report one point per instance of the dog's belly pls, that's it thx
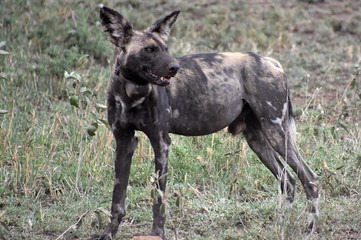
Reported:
(201, 123)
(199, 110)
(207, 93)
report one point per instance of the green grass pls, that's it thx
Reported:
(55, 176)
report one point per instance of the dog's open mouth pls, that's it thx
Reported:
(157, 79)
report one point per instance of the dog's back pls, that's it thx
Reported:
(210, 90)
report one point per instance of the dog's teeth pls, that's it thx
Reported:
(161, 78)
(150, 72)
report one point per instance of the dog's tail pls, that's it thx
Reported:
(292, 125)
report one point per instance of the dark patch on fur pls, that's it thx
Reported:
(159, 43)
(211, 59)
(228, 71)
(257, 68)
(244, 74)
(290, 109)
(256, 57)
(190, 63)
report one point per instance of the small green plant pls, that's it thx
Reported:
(85, 102)
(89, 111)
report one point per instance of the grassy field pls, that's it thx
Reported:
(56, 178)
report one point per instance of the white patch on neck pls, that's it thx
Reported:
(119, 104)
(118, 100)
(137, 102)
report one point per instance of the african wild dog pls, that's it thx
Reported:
(194, 95)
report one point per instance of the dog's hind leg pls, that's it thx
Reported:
(294, 159)
(259, 143)
(280, 133)
(125, 146)
(160, 142)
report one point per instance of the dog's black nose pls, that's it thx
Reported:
(173, 68)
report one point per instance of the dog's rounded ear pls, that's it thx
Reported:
(163, 26)
(117, 28)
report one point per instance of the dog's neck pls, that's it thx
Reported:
(135, 91)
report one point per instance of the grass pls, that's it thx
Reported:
(57, 179)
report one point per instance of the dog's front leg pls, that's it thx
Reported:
(125, 146)
(160, 142)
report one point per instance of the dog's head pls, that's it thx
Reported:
(144, 56)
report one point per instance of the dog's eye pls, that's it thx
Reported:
(150, 49)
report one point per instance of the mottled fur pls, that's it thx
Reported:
(194, 95)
